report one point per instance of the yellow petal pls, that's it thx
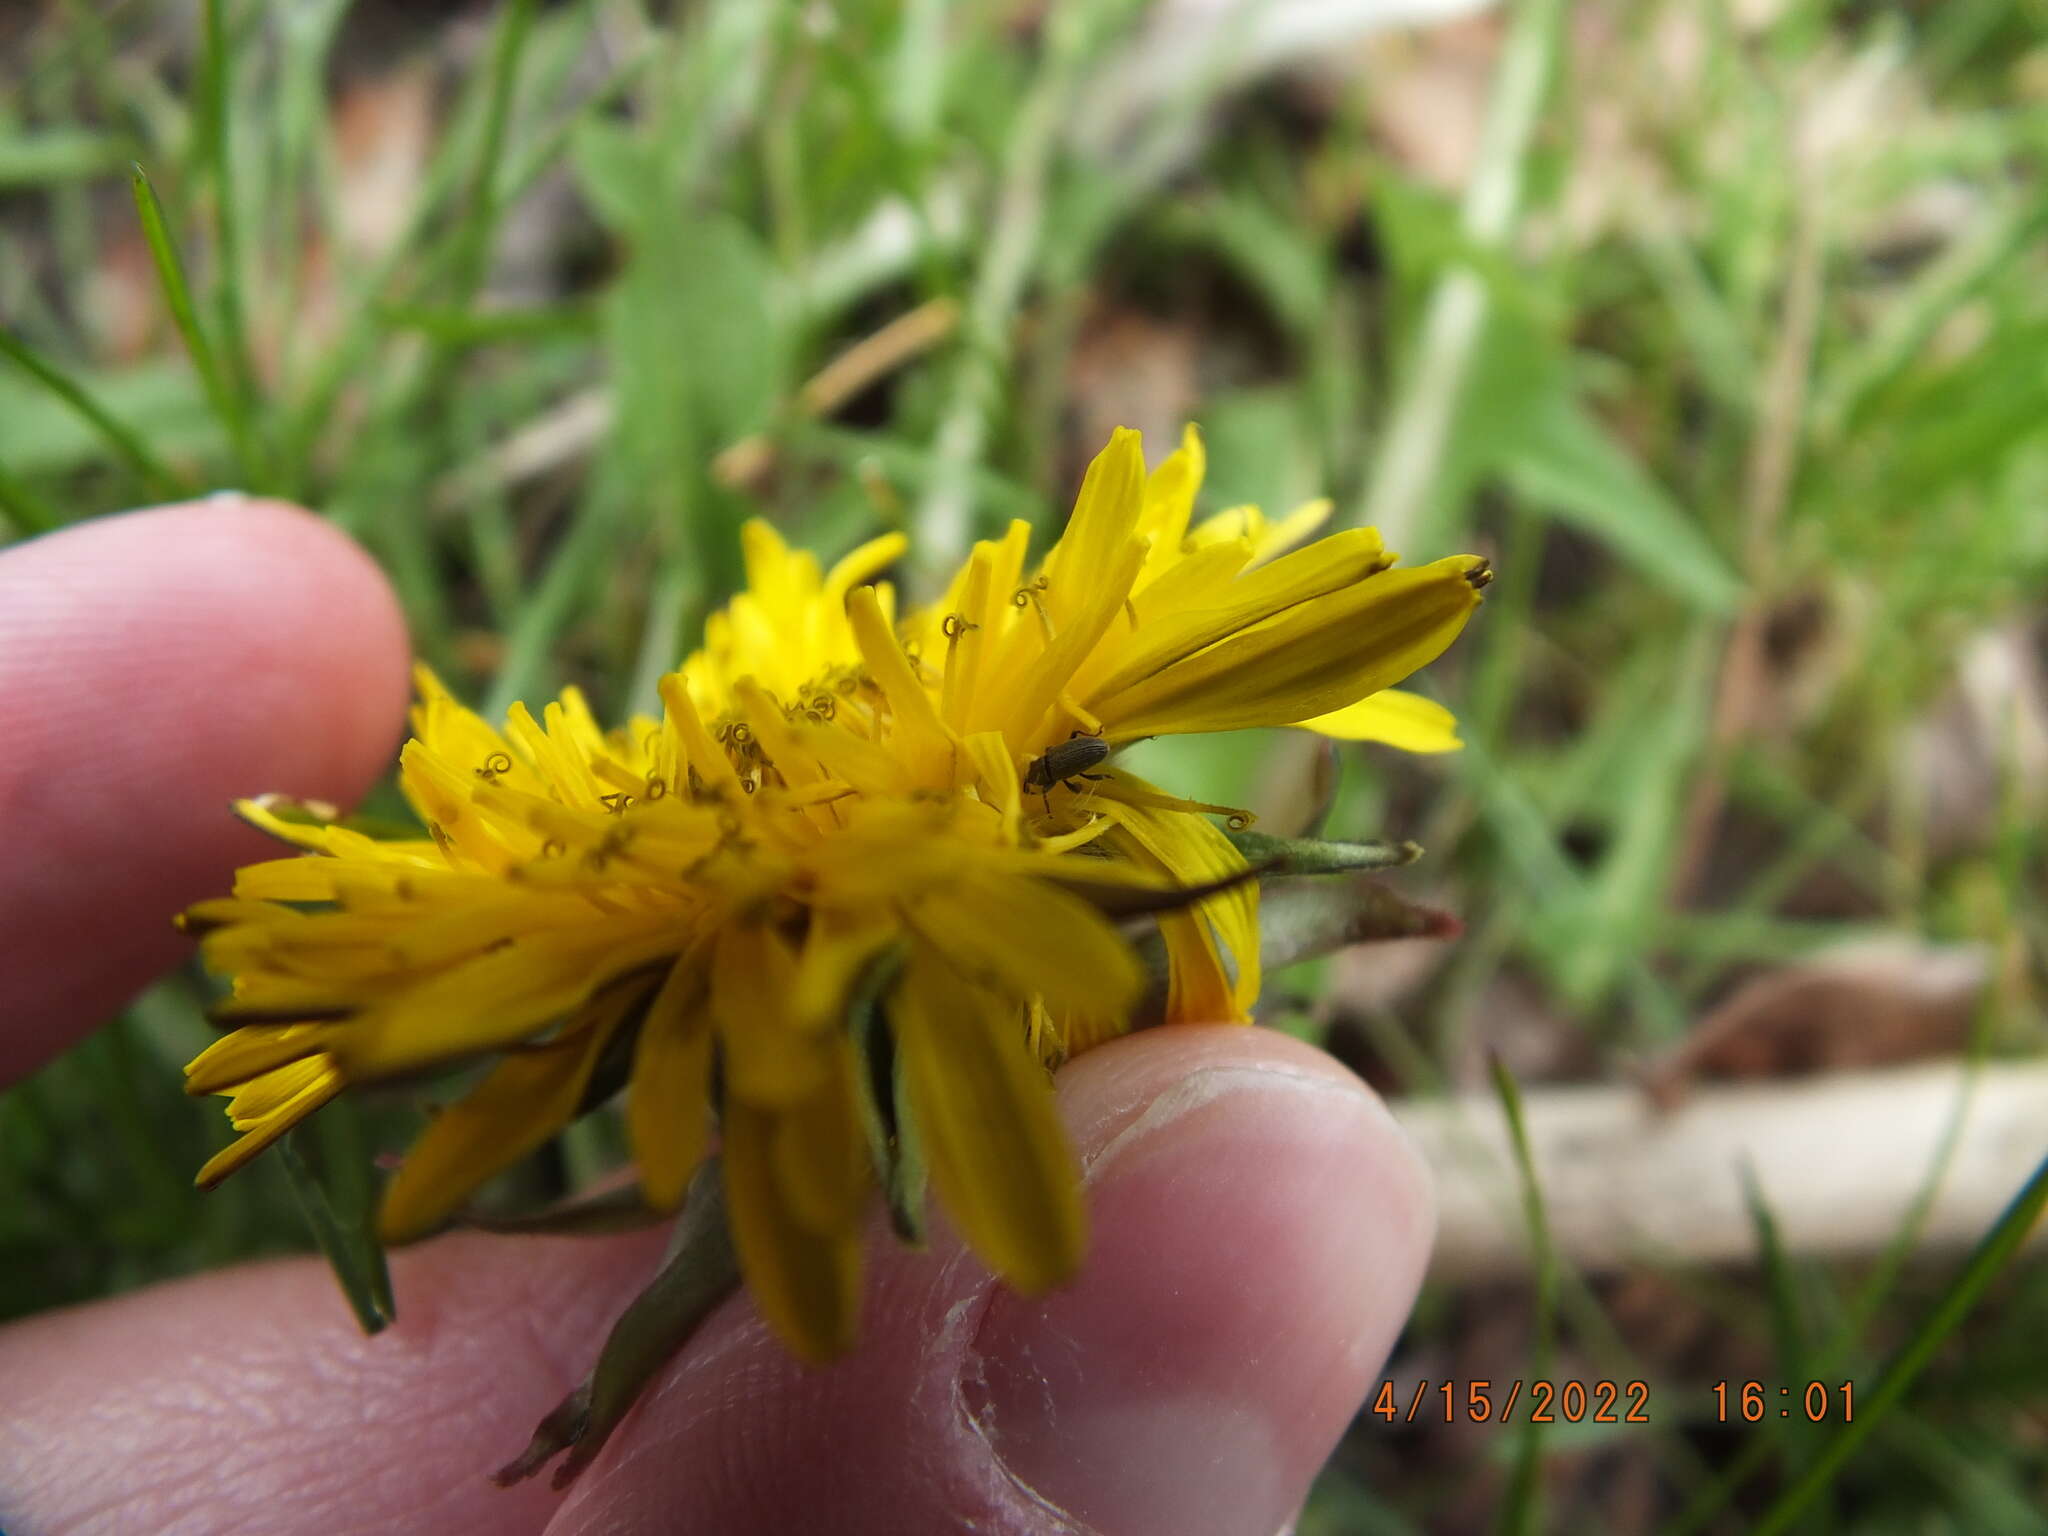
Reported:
(1105, 516)
(820, 1154)
(497, 1000)
(668, 1101)
(924, 739)
(1277, 538)
(997, 780)
(868, 766)
(523, 1102)
(775, 572)
(442, 798)
(838, 946)
(248, 1053)
(859, 565)
(311, 836)
(999, 1156)
(1037, 939)
(1213, 948)
(1309, 660)
(963, 628)
(1170, 492)
(705, 761)
(1244, 522)
(449, 730)
(1404, 720)
(1196, 580)
(1100, 604)
(553, 749)
(1342, 561)
(777, 740)
(769, 1061)
(266, 1107)
(806, 1285)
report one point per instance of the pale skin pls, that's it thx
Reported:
(1259, 1223)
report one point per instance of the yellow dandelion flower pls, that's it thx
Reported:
(838, 810)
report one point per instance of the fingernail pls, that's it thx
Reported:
(1257, 1237)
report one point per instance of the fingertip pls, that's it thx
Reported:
(154, 666)
(1261, 1228)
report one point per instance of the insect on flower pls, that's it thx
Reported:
(1066, 762)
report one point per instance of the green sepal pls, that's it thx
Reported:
(329, 1171)
(698, 1272)
(1315, 856)
(895, 1148)
(624, 1209)
(1303, 916)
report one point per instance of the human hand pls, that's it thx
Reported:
(1259, 1222)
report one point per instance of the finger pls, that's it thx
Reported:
(153, 667)
(1259, 1228)
(249, 1401)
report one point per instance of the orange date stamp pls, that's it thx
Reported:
(1479, 1401)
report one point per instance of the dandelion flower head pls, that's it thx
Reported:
(854, 836)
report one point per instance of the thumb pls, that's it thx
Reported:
(1259, 1226)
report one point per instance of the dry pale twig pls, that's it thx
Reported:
(1840, 1160)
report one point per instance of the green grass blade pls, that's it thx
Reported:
(237, 376)
(473, 242)
(1521, 1503)
(375, 295)
(154, 473)
(56, 156)
(170, 271)
(1985, 1264)
(460, 328)
(24, 508)
(1788, 1328)
(1962, 272)
(945, 518)
(1421, 425)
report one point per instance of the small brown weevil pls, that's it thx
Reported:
(1070, 760)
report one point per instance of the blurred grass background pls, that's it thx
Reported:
(1723, 328)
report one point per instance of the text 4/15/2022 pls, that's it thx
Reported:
(1542, 1402)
